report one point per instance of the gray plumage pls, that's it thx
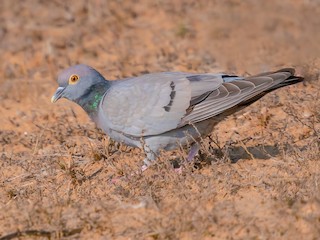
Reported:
(168, 109)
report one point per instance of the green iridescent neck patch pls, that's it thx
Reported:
(95, 103)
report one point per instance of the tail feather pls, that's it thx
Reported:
(289, 81)
(292, 79)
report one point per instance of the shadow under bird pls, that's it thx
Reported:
(164, 110)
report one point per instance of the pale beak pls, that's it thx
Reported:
(57, 95)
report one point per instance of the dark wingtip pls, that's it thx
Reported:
(289, 81)
(292, 72)
(292, 79)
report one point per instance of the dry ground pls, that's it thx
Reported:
(259, 174)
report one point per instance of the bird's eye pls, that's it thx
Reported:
(73, 79)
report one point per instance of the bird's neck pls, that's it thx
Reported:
(91, 99)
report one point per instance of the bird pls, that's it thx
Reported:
(164, 110)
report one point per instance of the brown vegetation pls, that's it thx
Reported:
(259, 172)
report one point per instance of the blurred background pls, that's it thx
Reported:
(54, 161)
(121, 38)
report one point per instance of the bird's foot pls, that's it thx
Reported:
(178, 170)
(194, 150)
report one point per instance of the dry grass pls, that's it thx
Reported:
(258, 174)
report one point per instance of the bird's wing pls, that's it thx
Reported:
(154, 103)
(232, 92)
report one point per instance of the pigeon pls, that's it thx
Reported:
(165, 110)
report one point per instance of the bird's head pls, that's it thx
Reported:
(76, 82)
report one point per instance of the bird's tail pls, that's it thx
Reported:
(283, 77)
(292, 79)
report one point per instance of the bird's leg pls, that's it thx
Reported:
(194, 149)
(150, 158)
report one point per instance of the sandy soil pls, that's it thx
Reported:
(259, 174)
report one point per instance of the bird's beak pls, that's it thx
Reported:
(57, 95)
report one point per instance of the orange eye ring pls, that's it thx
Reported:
(74, 78)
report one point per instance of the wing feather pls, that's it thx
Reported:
(237, 91)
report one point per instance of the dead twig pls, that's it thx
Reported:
(41, 233)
